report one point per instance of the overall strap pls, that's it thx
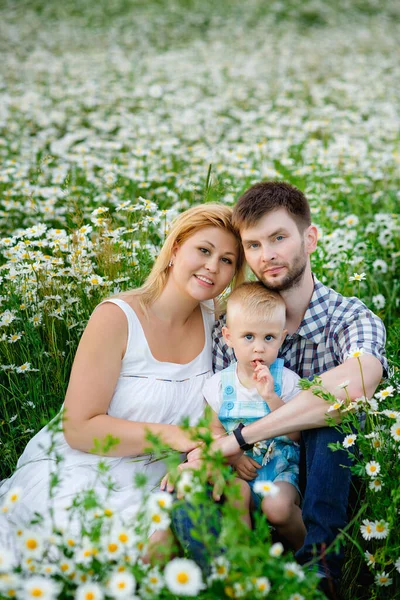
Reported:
(277, 373)
(228, 385)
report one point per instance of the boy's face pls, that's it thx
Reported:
(253, 338)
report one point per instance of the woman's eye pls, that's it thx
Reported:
(226, 260)
(204, 250)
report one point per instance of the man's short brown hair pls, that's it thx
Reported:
(268, 196)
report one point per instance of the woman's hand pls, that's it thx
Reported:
(245, 467)
(167, 485)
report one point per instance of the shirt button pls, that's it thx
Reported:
(229, 390)
(229, 405)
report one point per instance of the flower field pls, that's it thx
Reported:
(114, 117)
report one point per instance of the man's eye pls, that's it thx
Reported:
(280, 238)
(253, 245)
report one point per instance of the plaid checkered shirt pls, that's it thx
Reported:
(333, 326)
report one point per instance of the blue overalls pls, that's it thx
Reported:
(278, 456)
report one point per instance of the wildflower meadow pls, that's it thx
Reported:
(114, 117)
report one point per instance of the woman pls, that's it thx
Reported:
(139, 368)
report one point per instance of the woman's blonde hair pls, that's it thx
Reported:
(182, 228)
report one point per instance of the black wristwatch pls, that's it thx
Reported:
(240, 439)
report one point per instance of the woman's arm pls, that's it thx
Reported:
(94, 376)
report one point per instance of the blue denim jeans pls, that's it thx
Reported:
(324, 504)
(325, 498)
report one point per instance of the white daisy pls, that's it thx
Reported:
(397, 564)
(336, 405)
(89, 591)
(159, 519)
(366, 529)
(358, 277)
(343, 385)
(356, 353)
(121, 585)
(372, 468)
(292, 569)
(31, 544)
(386, 393)
(380, 530)
(296, 596)
(183, 577)
(266, 488)
(276, 549)
(349, 440)
(262, 586)
(376, 485)
(395, 431)
(383, 579)
(219, 568)
(153, 583)
(159, 500)
(40, 587)
(370, 558)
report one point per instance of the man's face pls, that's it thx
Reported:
(276, 251)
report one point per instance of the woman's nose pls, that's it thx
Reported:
(212, 264)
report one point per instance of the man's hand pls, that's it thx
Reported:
(227, 444)
(246, 467)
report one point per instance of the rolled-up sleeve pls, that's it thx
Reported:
(363, 330)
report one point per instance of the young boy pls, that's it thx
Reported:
(249, 389)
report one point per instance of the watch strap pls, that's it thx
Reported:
(237, 432)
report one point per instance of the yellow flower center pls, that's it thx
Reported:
(221, 570)
(161, 503)
(182, 577)
(123, 537)
(122, 585)
(64, 567)
(372, 468)
(156, 518)
(112, 547)
(11, 593)
(380, 527)
(31, 544)
(89, 596)
(153, 580)
(37, 592)
(14, 497)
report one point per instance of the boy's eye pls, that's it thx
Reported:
(248, 336)
(279, 238)
(269, 338)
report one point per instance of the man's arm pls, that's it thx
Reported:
(307, 411)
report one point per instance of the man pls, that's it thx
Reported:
(324, 328)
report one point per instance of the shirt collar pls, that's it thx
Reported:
(315, 318)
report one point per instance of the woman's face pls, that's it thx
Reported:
(205, 263)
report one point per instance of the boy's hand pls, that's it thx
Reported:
(246, 467)
(264, 381)
(166, 484)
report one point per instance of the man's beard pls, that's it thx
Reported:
(292, 278)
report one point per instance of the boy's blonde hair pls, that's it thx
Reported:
(254, 298)
(184, 226)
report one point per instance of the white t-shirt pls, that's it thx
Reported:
(213, 394)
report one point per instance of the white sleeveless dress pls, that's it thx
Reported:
(147, 390)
